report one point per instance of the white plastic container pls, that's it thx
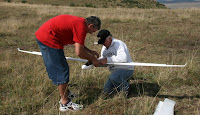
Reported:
(165, 108)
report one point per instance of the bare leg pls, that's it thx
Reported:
(63, 89)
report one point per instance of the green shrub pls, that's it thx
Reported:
(89, 5)
(23, 1)
(72, 4)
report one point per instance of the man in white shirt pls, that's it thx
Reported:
(115, 51)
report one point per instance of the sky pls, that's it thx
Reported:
(180, 4)
(177, 1)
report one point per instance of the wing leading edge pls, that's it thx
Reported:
(133, 63)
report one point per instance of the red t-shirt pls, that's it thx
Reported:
(62, 30)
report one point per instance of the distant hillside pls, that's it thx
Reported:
(177, 1)
(146, 4)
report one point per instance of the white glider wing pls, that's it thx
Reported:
(30, 52)
(133, 63)
(146, 64)
(39, 53)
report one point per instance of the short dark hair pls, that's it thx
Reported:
(94, 20)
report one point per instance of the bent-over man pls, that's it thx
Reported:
(52, 36)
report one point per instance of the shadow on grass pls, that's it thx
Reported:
(138, 89)
(179, 97)
(152, 89)
(92, 94)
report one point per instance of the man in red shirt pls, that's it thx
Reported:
(52, 36)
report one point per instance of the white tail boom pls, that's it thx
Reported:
(91, 66)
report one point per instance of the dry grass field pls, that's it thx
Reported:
(170, 36)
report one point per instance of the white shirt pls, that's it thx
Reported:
(117, 53)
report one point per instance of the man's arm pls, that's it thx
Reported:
(120, 57)
(102, 59)
(92, 52)
(82, 52)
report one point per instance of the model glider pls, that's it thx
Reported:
(89, 66)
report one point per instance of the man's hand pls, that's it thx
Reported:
(85, 53)
(96, 63)
(103, 61)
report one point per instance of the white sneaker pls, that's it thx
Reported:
(70, 107)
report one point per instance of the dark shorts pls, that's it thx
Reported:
(55, 63)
